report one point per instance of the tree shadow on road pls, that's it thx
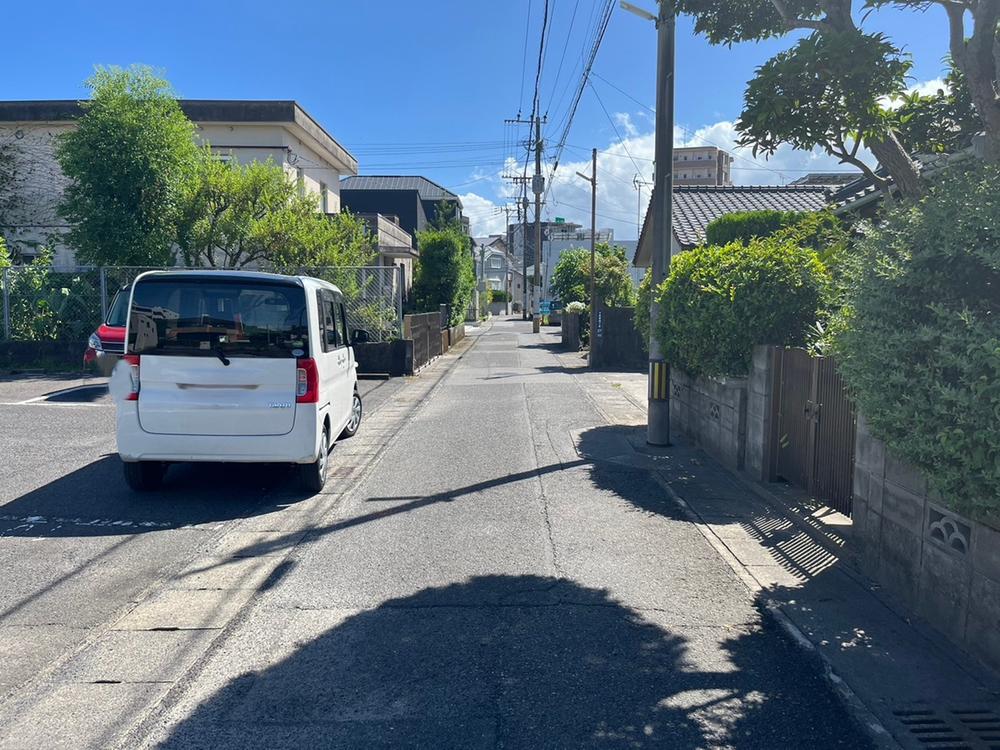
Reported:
(505, 661)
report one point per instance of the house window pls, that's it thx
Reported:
(324, 198)
(496, 261)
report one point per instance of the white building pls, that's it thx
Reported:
(242, 130)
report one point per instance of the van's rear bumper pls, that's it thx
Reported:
(301, 445)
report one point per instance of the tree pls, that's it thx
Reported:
(127, 161)
(571, 276)
(976, 56)
(445, 272)
(828, 89)
(942, 122)
(236, 215)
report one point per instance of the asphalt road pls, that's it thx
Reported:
(77, 547)
(475, 576)
(485, 586)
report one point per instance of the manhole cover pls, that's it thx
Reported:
(952, 729)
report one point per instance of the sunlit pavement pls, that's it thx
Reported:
(475, 576)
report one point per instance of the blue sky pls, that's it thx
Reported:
(423, 88)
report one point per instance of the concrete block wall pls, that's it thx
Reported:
(713, 413)
(941, 565)
(761, 413)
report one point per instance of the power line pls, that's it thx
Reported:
(524, 61)
(602, 27)
(621, 141)
(535, 102)
(562, 57)
(622, 91)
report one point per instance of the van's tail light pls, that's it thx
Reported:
(132, 360)
(306, 382)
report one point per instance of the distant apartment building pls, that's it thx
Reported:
(245, 131)
(702, 165)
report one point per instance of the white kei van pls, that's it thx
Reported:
(233, 366)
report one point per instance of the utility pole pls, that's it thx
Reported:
(593, 253)
(639, 184)
(537, 187)
(658, 417)
(526, 308)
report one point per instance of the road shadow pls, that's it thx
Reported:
(86, 394)
(95, 501)
(509, 661)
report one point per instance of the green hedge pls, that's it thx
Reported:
(720, 301)
(744, 226)
(919, 343)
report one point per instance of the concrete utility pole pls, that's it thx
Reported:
(658, 415)
(526, 307)
(593, 252)
(537, 187)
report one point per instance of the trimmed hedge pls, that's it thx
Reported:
(719, 301)
(919, 342)
(744, 226)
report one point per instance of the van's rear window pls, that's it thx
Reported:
(208, 317)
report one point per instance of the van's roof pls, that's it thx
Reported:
(209, 274)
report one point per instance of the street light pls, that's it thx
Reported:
(658, 415)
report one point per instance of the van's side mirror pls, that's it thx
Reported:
(360, 336)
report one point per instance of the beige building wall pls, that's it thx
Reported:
(38, 182)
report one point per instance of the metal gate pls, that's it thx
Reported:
(816, 428)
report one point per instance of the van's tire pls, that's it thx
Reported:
(356, 413)
(312, 476)
(143, 476)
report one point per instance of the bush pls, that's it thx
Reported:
(498, 295)
(444, 274)
(919, 342)
(571, 276)
(576, 307)
(746, 225)
(642, 302)
(718, 302)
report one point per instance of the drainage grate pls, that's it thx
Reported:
(952, 729)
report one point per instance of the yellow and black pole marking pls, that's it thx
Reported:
(659, 380)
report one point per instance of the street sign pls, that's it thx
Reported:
(545, 307)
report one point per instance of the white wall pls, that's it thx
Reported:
(37, 186)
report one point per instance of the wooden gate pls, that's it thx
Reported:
(816, 427)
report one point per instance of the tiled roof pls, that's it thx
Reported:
(696, 206)
(428, 190)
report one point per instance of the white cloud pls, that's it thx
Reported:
(485, 216)
(924, 88)
(618, 200)
(625, 120)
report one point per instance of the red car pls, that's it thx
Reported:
(107, 344)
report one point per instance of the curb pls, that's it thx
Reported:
(865, 719)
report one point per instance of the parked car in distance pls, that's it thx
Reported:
(234, 366)
(107, 344)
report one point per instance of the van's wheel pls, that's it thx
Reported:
(143, 476)
(313, 476)
(356, 411)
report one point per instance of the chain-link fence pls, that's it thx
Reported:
(42, 304)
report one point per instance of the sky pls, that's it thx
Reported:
(425, 87)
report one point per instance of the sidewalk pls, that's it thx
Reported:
(898, 677)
